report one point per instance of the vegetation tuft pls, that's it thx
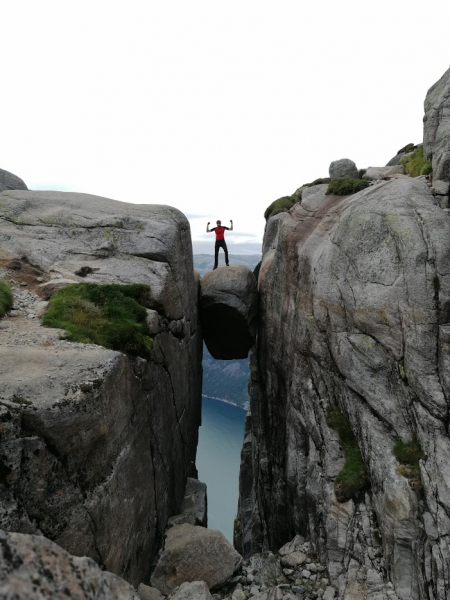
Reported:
(407, 148)
(352, 480)
(237, 537)
(319, 181)
(6, 298)
(346, 186)
(112, 316)
(416, 164)
(408, 455)
(361, 173)
(281, 205)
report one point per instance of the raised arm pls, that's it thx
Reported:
(231, 228)
(207, 227)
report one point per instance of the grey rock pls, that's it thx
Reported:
(396, 159)
(195, 590)
(361, 320)
(9, 181)
(34, 567)
(436, 127)
(441, 188)
(194, 505)
(314, 196)
(293, 560)
(292, 546)
(90, 431)
(329, 593)
(145, 592)
(376, 173)
(238, 595)
(343, 168)
(194, 554)
(228, 309)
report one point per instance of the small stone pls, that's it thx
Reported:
(23, 284)
(145, 592)
(31, 316)
(298, 589)
(288, 571)
(306, 574)
(254, 590)
(250, 578)
(325, 582)
(329, 593)
(238, 595)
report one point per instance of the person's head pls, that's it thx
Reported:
(219, 223)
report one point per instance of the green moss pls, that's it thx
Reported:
(319, 181)
(407, 148)
(408, 455)
(237, 537)
(416, 164)
(352, 480)
(346, 186)
(6, 298)
(281, 205)
(112, 316)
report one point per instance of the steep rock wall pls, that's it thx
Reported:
(354, 313)
(96, 446)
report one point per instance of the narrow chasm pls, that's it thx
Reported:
(224, 407)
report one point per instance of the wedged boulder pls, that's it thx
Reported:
(228, 309)
(96, 445)
(195, 554)
(343, 167)
(33, 567)
(376, 173)
(9, 181)
(436, 127)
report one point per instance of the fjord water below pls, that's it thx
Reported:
(218, 461)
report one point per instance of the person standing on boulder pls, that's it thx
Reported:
(220, 241)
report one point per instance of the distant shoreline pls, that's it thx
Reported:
(224, 400)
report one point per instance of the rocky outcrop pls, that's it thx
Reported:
(194, 506)
(343, 168)
(376, 173)
(33, 567)
(9, 181)
(96, 446)
(436, 129)
(194, 554)
(354, 317)
(228, 307)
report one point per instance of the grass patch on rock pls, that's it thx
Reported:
(416, 164)
(345, 186)
(6, 298)
(408, 455)
(281, 205)
(352, 480)
(110, 315)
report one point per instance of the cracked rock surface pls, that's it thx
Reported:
(96, 446)
(33, 567)
(355, 313)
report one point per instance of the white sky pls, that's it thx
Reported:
(216, 107)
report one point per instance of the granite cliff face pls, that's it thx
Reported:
(354, 313)
(96, 445)
(351, 364)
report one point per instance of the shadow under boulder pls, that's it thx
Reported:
(228, 308)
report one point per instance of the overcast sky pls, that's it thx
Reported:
(216, 107)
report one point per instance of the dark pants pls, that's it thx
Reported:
(220, 244)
